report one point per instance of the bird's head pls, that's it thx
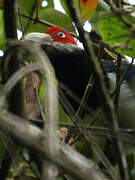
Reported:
(53, 34)
(60, 35)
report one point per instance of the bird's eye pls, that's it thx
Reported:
(61, 34)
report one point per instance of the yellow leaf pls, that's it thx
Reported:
(87, 7)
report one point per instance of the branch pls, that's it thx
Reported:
(16, 77)
(98, 74)
(10, 28)
(16, 105)
(10, 19)
(50, 83)
(31, 136)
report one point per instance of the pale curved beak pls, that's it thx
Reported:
(38, 37)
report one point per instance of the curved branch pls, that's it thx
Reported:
(16, 77)
(67, 159)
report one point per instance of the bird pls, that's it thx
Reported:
(74, 71)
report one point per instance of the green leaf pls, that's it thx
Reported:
(54, 17)
(30, 8)
(101, 8)
(2, 38)
(30, 5)
(115, 32)
(63, 117)
(84, 147)
(50, 4)
(27, 5)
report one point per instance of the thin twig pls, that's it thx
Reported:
(21, 20)
(118, 77)
(123, 77)
(85, 96)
